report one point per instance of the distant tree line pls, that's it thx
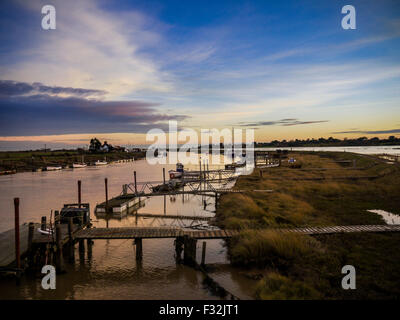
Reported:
(322, 142)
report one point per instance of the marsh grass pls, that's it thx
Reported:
(304, 267)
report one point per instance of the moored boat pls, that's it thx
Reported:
(53, 168)
(79, 165)
(100, 163)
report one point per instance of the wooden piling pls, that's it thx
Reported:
(189, 253)
(31, 231)
(71, 246)
(43, 223)
(56, 217)
(17, 238)
(163, 173)
(59, 254)
(106, 189)
(134, 176)
(203, 254)
(139, 249)
(79, 193)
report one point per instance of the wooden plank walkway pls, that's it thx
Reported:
(172, 216)
(159, 232)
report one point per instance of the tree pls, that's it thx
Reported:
(95, 145)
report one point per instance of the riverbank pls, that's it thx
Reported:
(326, 190)
(24, 161)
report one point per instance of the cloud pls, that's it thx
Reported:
(369, 131)
(14, 88)
(45, 114)
(282, 122)
(91, 48)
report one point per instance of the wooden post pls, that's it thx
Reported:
(178, 248)
(56, 217)
(163, 174)
(139, 249)
(17, 238)
(203, 254)
(43, 224)
(79, 193)
(189, 253)
(31, 231)
(71, 240)
(59, 258)
(106, 189)
(134, 176)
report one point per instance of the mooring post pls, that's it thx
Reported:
(203, 254)
(79, 193)
(59, 257)
(43, 224)
(106, 189)
(189, 252)
(163, 174)
(179, 241)
(17, 239)
(139, 249)
(56, 217)
(134, 175)
(71, 253)
(31, 231)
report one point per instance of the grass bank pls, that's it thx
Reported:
(327, 190)
(31, 160)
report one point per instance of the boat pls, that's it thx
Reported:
(53, 168)
(178, 173)
(6, 172)
(100, 163)
(79, 165)
(82, 164)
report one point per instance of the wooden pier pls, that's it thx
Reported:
(168, 232)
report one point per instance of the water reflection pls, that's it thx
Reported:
(107, 269)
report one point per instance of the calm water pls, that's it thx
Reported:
(112, 271)
(394, 150)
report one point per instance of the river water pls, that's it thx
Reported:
(112, 272)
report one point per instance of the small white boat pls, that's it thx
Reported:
(53, 168)
(79, 165)
(47, 231)
(100, 163)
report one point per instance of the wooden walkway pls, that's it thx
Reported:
(160, 232)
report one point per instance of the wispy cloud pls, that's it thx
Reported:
(369, 131)
(282, 122)
(14, 88)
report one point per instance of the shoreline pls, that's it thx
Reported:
(16, 162)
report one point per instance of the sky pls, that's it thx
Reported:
(117, 69)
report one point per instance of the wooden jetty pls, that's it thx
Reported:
(168, 232)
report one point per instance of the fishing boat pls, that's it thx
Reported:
(101, 163)
(53, 168)
(82, 164)
(79, 165)
(178, 173)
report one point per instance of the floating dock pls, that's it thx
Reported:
(119, 205)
